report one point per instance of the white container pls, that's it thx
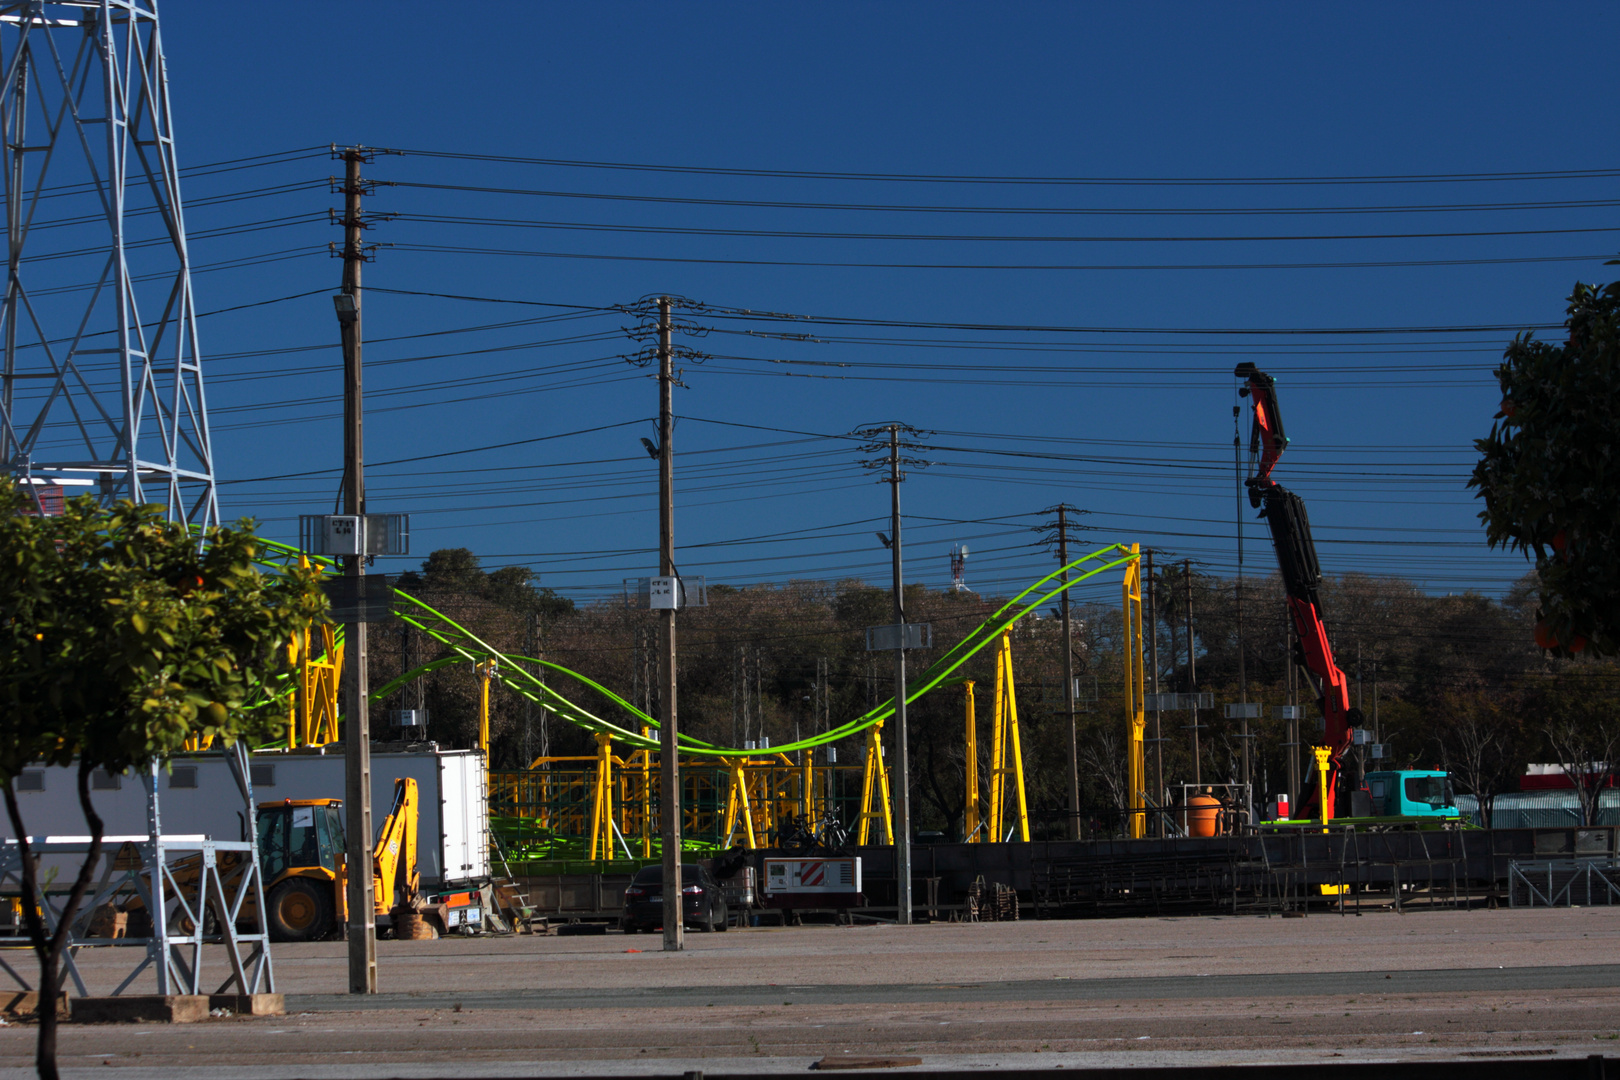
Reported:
(198, 797)
(797, 877)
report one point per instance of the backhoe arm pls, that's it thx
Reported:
(397, 879)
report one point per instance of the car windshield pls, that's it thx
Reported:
(1434, 790)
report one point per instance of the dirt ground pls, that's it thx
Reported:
(1160, 991)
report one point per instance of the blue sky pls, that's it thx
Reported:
(1129, 419)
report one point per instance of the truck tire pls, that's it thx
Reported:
(300, 910)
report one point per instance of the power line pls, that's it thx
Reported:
(808, 234)
(1021, 211)
(970, 178)
(455, 249)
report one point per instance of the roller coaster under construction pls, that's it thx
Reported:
(742, 795)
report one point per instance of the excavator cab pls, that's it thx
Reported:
(299, 835)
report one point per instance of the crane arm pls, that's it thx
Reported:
(1290, 527)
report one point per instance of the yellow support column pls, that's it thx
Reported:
(737, 803)
(1324, 754)
(320, 681)
(998, 750)
(486, 671)
(601, 838)
(972, 807)
(1135, 701)
(875, 787)
(807, 803)
(1015, 748)
(1005, 744)
(646, 796)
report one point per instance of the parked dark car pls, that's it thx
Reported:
(702, 903)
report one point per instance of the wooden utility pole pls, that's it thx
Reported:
(1153, 659)
(902, 787)
(669, 771)
(362, 921)
(1243, 675)
(1192, 675)
(1293, 742)
(1068, 679)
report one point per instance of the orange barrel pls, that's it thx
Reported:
(1203, 810)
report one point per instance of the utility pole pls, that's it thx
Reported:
(1192, 675)
(1243, 675)
(1060, 532)
(1293, 743)
(902, 814)
(669, 773)
(362, 921)
(1153, 659)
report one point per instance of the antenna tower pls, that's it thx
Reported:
(959, 555)
(102, 379)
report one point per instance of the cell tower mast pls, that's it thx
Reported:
(102, 377)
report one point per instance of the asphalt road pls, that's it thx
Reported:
(1124, 988)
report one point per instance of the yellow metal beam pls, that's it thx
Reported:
(601, 838)
(973, 806)
(486, 671)
(1006, 752)
(875, 788)
(1324, 754)
(1135, 700)
(737, 804)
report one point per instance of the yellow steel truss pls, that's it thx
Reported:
(875, 788)
(601, 838)
(1006, 753)
(737, 803)
(1135, 702)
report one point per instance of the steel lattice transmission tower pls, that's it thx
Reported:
(102, 377)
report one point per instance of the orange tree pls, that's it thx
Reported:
(121, 636)
(1548, 468)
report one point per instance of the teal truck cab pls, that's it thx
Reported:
(1411, 793)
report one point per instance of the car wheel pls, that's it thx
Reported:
(629, 927)
(725, 919)
(300, 910)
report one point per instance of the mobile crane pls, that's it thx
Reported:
(1284, 514)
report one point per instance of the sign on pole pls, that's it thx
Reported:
(899, 636)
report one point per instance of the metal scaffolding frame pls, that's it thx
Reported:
(102, 378)
(194, 892)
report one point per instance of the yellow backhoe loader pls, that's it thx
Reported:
(301, 857)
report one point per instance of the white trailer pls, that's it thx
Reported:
(199, 798)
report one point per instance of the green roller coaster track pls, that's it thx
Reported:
(467, 648)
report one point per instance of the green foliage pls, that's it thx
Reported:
(123, 636)
(458, 572)
(1548, 469)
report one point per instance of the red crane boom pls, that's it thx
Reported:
(1284, 514)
